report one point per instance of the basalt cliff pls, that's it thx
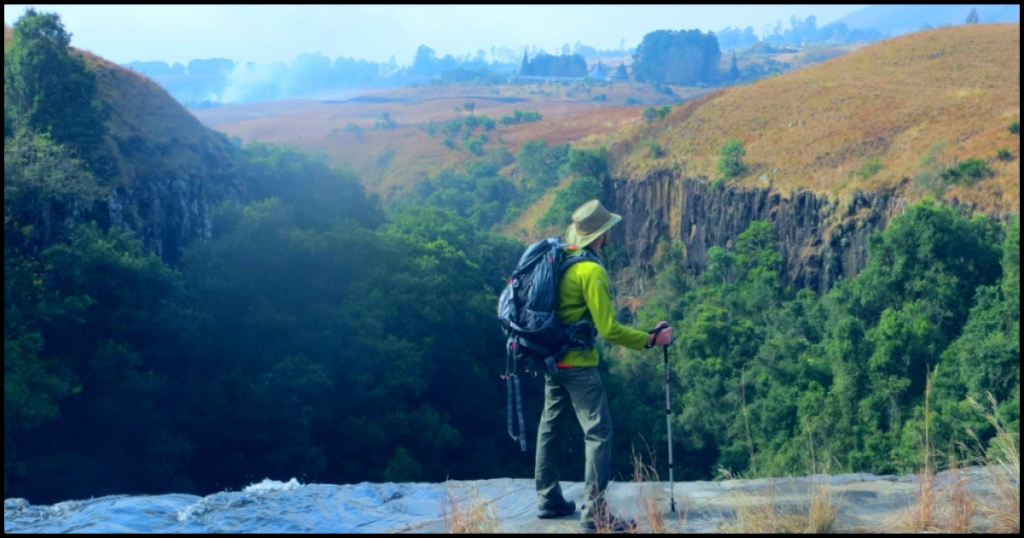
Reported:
(822, 239)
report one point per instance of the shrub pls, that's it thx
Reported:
(385, 122)
(519, 117)
(476, 145)
(1015, 127)
(651, 113)
(430, 128)
(868, 169)
(967, 172)
(657, 151)
(1004, 154)
(730, 163)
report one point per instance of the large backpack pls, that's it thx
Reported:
(526, 310)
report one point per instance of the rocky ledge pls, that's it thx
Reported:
(857, 502)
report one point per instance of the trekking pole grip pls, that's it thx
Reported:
(655, 332)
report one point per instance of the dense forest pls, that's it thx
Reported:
(318, 335)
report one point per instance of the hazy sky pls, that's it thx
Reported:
(265, 34)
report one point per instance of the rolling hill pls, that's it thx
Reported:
(890, 115)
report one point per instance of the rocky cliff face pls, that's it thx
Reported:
(169, 208)
(167, 172)
(823, 240)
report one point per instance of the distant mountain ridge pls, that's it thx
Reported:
(900, 19)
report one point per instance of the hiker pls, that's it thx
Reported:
(585, 293)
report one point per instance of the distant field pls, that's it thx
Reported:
(391, 161)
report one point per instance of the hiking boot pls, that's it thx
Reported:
(613, 525)
(555, 510)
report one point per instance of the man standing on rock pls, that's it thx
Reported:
(585, 293)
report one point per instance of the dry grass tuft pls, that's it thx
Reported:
(923, 515)
(471, 516)
(960, 506)
(766, 513)
(646, 479)
(952, 508)
(1002, 508)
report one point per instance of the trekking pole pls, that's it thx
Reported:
(668, 421)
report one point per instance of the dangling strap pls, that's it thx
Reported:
(511, 425)
(522, 423)
(512, 384)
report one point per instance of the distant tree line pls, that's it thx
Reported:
(426, 62)
(546, 65)
(221, 80)
(802, 32)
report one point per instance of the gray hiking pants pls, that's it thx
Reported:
(578, 390)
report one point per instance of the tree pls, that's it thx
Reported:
(546, 65)
(539, 165)
(621, 72)
(470, 106)
(579, 191)
(524, 69)
(46, 190)
(47, 88)
(423, 62)
(734, 70)
(683, 58)
(586, 163)
(972, 17)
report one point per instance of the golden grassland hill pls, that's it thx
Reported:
(913, 104)
(144, 114)
(167, 171)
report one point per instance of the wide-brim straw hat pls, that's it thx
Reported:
(589, 222)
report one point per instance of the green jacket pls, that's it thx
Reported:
(585, 293)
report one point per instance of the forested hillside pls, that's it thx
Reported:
(300, 329)
(305, 335)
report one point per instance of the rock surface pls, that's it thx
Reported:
(866, 503)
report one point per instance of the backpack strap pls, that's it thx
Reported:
(584, 256)
(582, 334)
